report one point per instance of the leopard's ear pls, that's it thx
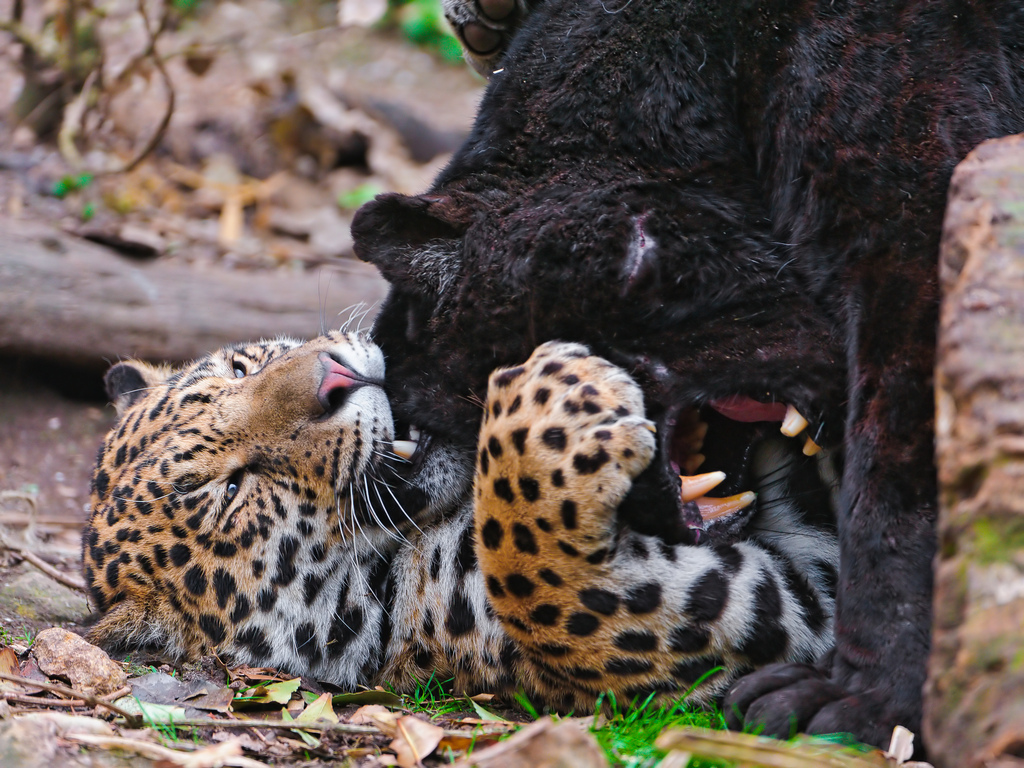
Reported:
(129, 380)
(392, 229)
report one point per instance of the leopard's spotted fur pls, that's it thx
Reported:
(248, 503)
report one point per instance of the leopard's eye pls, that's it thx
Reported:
(238, 368)
(233, 484)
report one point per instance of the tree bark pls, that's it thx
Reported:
(975, 694)
(69, 300)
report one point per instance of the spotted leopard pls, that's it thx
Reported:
(257, 503)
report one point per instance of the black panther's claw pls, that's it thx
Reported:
(784, 699)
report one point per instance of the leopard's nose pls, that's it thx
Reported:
(336, 383)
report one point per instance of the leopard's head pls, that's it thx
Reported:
(234, 476)
(588, 206)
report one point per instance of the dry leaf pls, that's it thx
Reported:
(375, 714)
(543, 744)
(415, 739)
(320, 709)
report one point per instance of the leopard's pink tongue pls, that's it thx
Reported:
(741, 408)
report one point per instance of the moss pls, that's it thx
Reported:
(997, 540)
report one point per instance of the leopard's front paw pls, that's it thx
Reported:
(485, 28)
(563, 437)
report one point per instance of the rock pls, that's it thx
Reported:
(974, 711)
(34, 741)
(60, 653)
(35, 597)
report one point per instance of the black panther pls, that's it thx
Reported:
(740, 204)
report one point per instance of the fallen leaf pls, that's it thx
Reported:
(414, 740)
(161, 713)
(319, 710)
(375, 714)
(9, 666)
(485, 714)
(270, 693)
(385, 698)
(543, 744)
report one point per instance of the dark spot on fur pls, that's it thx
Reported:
(636, 641)
(644, 598)
(546, 614)
(505, 378)
(530, 489)
(519, 585)
(492, 533)
(627, 666)
(569, 514)
(588, 465)
(582, 624)
(550, 577)
(503, 490)
(708, 597)
(599, 600)
(494, 446)
(180, 554)
(494, 586)
(523, 539)
(461, 619)
(688, 639)
(213, 628)
(195, 581)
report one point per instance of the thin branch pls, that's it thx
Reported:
(159, 64)
(93, 701)
(53, 573)
(21, 698)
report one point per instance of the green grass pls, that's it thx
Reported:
(9, 636)
(627, 735)
(433, 697)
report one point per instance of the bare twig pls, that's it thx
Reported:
(748, 749)
(89, 699)
(21, 698)
(168, 84)
(53, 573)
(227, 753)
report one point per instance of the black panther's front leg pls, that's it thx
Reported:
(873, 679)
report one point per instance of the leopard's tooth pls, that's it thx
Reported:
(712, 509)
(692, 463)
(695, 486)
(650, 426)
(414, 434)
(404, 448)
(811, 448)
(793, 423)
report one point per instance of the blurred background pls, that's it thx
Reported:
(179, 174)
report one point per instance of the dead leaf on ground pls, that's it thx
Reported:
(543, 744)
(377, 715)
(414, 740)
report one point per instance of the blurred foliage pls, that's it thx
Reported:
(422, 22)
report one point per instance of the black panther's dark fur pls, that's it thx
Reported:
(725, 198)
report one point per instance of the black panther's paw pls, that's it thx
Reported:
(485, 28)
(782, 700)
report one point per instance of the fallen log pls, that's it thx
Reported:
(66, 299)
(974, 703)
